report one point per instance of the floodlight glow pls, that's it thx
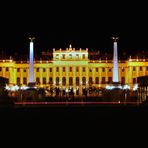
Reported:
(108, 87)
(126, 87)
(7, 87)
(120, 86)
(24, 87)
(135, 87)
(14, 88)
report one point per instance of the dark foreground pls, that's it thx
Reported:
(73, 124)
(75, 112)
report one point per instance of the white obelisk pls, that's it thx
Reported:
(31, 61)
(115, 61)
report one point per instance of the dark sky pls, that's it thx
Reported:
(80, 24)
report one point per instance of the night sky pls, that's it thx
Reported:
(80, 24)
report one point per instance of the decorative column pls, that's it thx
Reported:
(115, 61)
(31, 62)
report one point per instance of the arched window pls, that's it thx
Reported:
(83, 80)
(63, 81)
(70, 81)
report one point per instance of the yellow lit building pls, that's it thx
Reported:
(72, 68)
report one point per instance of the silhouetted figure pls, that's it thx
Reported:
(77, 92)
(64, 93)
(57, 91)
(85, 92)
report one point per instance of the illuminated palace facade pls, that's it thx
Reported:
(72, 68)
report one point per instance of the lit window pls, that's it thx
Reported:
(97, 80)
(97, 69)
(24, 80)
(77, 81)
(83, 56)
(109, 79)
(7, 69)
(83, 69)
(90, 69)
(37, 70)
(57, 69)
(103, 69)
(109, 69)
(37, 80)
(77, 69)
(134, 68)
(64, 81)
(122, 69)
(70, 81)
(134, 80)
(18, 69)
(63, 69)
(103, 80)
(83, 80)
(70, 69)
(18, 80)
(57, 56)
(50, 69)
(44, 80)
(70, 56)
(90, 80)
(77, 56)
(123, 80)
(57, 80)
(44, 70)
(63, 56)
(50, 80)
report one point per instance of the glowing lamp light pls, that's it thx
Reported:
(120, 87)
(108, 87)
(130, 60)
(126, 87)
(14, 88)
(7, 87)
(24, 87)
(74, 90)
(135, 87)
